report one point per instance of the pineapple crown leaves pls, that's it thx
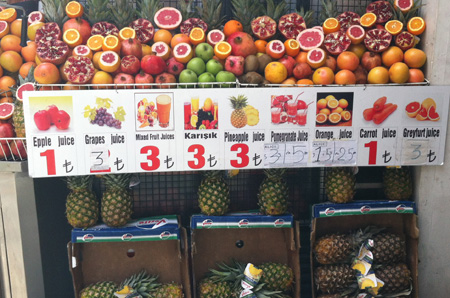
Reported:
(246, 11)
(55, 11)
(211, 13)
(275, 173)
(187, 9)
(307, 15)
(238, 102)
(275, 11)
(142, 282)
(404, 18)
(117, 180)
(328, 10)
(98, 11)
(79, 182)
(122, 13)
(147, 8)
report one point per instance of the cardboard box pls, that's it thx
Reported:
(246, 237)
(399, 217)
(156, 244)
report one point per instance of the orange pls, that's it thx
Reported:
(197, 36)
(325, 111)
(29, 52)
(280, 47)
(10, 43)
(394, 27)
(231, 27)
(334, 117)
(72, 37)
(95, 42)
(46, 73)
(332, 103)
(378, 75)
(179, 38)
(183, 52)
(5, 29)
(347, 60)
(292, 47)
(392, 55)
(322, 103)
(25, 68)
(343, 103)
(74, 9)
(312, 58)
(368, 19)
(302, 57)
(110, 66)
(416, 25)
(399, 73)
(6, 99)
(358, 49)
(289, 81)
(346, 115)
(275, 72)
(345, 77)
(414, 58)
(261, 46)
(163, 35)
(101, 77)
(323, 76)
(37, 60)
(164, 55)
(8, 15)
(96, 58)
(32, 30)
(16, 27)
(11, 61)
(305, 82)
(111, 43)
(146, 50)
(331, 25)
(127, 33)
(416, 76)
(338, 109)
(5, 83)
(83, 51)
(1, 71)
(222, 50)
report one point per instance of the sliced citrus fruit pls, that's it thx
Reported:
(394, 27)
(4, 28)
(6, 110)
(368, 19)
(8, 15)
(292, 47)
(74, 9)
(82, 50)
(416, 25)
(72, 37)
(334, 118)
(32, 28)
(222, 50)
(161, 49)
(325, 111)
(194, 120)
(321, 118)
(346, 115)
(127, 33)
(332, 103)
(95, 42)
(331, 25)
(109, 61)
(197, 36)
(111, 43)
(316, 58)
(321, 103)
(275, 49)
(182, 52)
(356, 34)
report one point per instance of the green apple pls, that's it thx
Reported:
(213, 66)
(197, 65)
(206, 77)
(204, 51)
(187, 76)
(225, 76)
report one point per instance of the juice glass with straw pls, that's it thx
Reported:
(195, 104)
(163, 105)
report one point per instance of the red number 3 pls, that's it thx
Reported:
(242, 155)
(198, 156)
(153, 157)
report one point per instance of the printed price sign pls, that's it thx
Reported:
(159, 156)
(201, 151)
(333, 152)
(377, 146)
(244, 149)
(286, 154)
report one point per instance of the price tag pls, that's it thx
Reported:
(99, 160)
(202, 154)
(378, 147)
(242, 152)
(159, 156)
(333, 152)
(286, 154)
(420, 151)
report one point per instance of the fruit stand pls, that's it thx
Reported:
(251, 148)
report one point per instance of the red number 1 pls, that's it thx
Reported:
(242, 155)
(50, 156)
(372, 152)
(198, 156)
(153, 157)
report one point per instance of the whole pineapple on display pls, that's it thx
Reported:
(273, 193)
(81, 204)
(208, 288)
(104, 289)
(328, 10)
(122, 13)
(397, 183)
(245, 11)
(213, 194)
(55, 11)
(170, 290)
(277, 277)
(211, 13)
(307, 15)
(396, 278)
(333, 279)
(116, 204)
(147, 8)
(340, 185)
(388, 248)
(142, 283)
(98, 11)
(238, 116)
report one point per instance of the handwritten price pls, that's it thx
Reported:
(334, 152)
(286, 154)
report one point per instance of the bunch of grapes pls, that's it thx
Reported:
(104, 118)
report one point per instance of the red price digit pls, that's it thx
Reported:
(242, 155)
(153, 157)
(199, 151)
(50, 156)
(372, 152)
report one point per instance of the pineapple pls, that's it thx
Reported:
(116, 201)
(404, 18)
(98, 11)
(187, 9)
(55, 11)
(388, 248)
(102, 289)
(82, 204)
(213, 194)
(147, 8)
(329, 10)
(17, 117)
(273, 193)
(238, 116)
(396, 278)
(211, 13)
(277, 277)
(142, 283)
(307, 15)
(340, 185)
(170, 290)
(397, 183)
(208, 288)
(122, 13)
(252, 115)
(245, 11)
(333, 279)
(275, 11)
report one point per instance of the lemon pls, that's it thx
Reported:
(194, 119)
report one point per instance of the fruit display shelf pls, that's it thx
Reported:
(12, 150)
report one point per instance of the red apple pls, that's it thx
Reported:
(62, 120)
(52, 110)
(42, 119)
(289, 63)
(6, 131)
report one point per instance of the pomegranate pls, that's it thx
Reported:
(143, 78)
(48, 32)
(130, 65)
(405, 40)
(54, 51)
(165, 78)
(291, 25)
(131, 47)
(144, 30)
(331, 63)
(18, 149)
(81, 25)
(337, 42)
(302, 70)
(191, 23)
(5, 152)
(153, 65)
(242, 44)
(6, 131)
(174, 67)
(377, 40)
(347, 19)
(104, 29)
(370, 60)
(382, 9)
(264, 27)
(361, 75)
(289, 63)
(123, 78)
(79, 70)
(235, 64)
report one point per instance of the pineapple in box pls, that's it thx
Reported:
(273, 193)
(334, 248)
(388, 248)
(396, 278)
(82, 204)
(101, 289)
(277, 277)
(116, 201)
(208, 288)
(238, 116)
(141, 283)
(214, 194)
(397, 183)
(340, 185)
(170, 290)
(333, 279)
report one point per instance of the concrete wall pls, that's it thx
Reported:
(433, 183)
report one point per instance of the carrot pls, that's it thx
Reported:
(368, 114)
(379, 104)
(379, 117)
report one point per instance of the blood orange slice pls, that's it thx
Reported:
(422, 114)
(356, 34)
(82, 50)
(168, 18)
(412, 109)
(316, 58)
(432, 114)
(161, 49)
(22, 88)
(215, 36)
(6, 110)
(4, 28)
(404, 5)
(310, 39)
(182, 52)
(109, 61)
(275, 49)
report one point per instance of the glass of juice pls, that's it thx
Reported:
(292, 108)
(301, 116)
(187, 112)
(163, 105)
(194, 104)
(276, 115)
(216, 110)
